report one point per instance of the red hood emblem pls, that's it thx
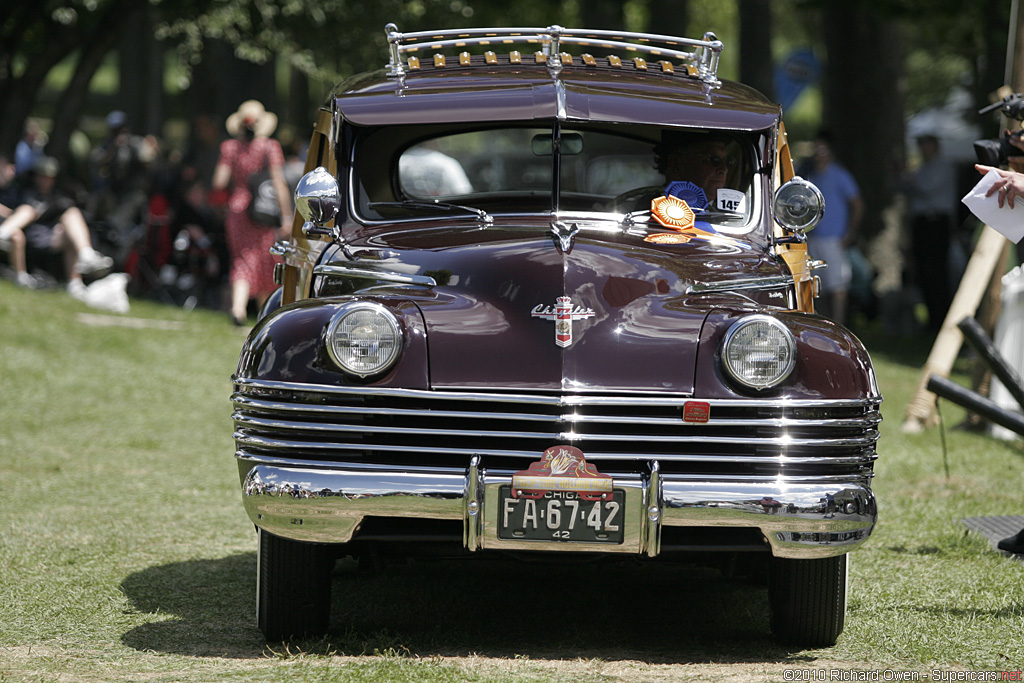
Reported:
(563, 313)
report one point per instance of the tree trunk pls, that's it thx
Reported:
(603, 14)
(299, 109)
(670, 17)
(72, 102)
(140, 94)
(867, 123)
(19, 96)
(756, 46)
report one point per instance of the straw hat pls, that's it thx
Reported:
(252, 114)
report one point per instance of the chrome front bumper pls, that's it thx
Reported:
(327, 502)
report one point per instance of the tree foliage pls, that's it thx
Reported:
(883, 57)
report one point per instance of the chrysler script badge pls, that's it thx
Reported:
(562, 468)
(563, 313)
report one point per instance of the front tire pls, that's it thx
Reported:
(293, 587)
(808, 600)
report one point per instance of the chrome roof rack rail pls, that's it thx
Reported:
(699, 56)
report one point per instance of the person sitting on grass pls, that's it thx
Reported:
(46, 219)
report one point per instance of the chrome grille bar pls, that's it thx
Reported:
(261, 442)
(798, 439)
(245, 421)
(244, 402)
(249, 386)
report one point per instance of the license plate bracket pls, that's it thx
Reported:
(561, 516)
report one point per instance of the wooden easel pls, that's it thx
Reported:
(989, 253)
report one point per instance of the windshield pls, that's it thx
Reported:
(511, 170)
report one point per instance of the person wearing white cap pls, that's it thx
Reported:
(249, 151)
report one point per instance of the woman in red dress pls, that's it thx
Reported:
(249, 151)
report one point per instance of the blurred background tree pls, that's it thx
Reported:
(862, 68)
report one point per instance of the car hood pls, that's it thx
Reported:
(510, 309)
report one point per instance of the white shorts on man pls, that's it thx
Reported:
(837, 276)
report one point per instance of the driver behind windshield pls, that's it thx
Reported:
(693, 161)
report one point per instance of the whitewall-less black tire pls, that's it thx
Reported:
(293, 587)
(808, 600)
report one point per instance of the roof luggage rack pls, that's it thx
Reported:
(699, 57)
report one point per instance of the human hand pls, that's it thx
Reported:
(1009, 185)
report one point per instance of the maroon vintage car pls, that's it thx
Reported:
(553, 299)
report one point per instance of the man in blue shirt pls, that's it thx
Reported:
(837, 230)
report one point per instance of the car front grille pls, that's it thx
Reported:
(741, 439)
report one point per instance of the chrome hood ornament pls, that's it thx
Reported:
(565, 235)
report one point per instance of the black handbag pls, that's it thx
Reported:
(263, 207)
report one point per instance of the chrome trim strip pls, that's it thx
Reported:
(335, 270)
(740, 284)
(489, 394)
(560, 103)
(814, 519)
(781, 480)
(242, 401)
(243, 439)
(867, 439)
(256, 459)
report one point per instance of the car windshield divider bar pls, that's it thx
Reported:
(704, 56)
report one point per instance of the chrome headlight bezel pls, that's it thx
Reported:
(733, 357)
(798, 205)
(341, 326)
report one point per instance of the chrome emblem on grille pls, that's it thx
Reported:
(562, 468)
(563, 313)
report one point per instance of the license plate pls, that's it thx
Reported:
(561, 516)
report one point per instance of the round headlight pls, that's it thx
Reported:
(799, 205)
(759, 352)
(364, 339)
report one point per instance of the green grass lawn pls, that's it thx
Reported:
(125, 554)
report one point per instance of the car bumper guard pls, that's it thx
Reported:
(327, 505)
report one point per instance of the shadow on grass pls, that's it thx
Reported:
(653, 613)
(207, 607)
(910, 351)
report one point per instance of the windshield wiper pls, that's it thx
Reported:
(628, 219)
(717, 214)
(481, 215)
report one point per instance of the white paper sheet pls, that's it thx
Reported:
(1009, 222)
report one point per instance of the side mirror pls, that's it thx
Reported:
(799, 205)
(318, 200)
